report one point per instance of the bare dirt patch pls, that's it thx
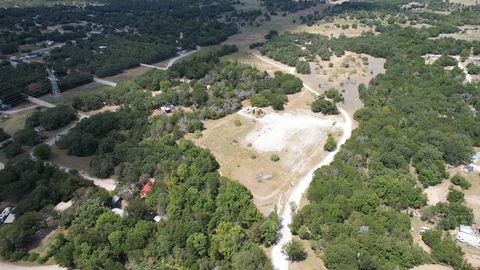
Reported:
(312, 262)
(331, 29)
(248, 161)
(438, 193)
(432, 267)
(465, 2)
(467, 32)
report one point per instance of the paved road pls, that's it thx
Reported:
(105, 82)
(173, 60)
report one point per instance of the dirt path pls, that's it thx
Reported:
(280, 260)
(8, 266)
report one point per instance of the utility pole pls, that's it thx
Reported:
(53, 81)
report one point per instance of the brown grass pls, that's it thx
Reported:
(16, 121)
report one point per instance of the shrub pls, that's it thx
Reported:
(27, 136)
(13, 150)
(237, 122)
(294, 250)
(274, 157)
(460, 181)
(324, 106)
(334, 95)
(303, 67)
(3, 135)
(473, 69)
(42, 151)
(331, 144)
(446, 60)
(455, 196)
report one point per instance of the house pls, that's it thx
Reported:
(62, 206)
(467, 236)
(168, 108)
(147, 188)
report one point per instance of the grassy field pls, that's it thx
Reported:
(68, 96)
(247, 5)
(16, 121)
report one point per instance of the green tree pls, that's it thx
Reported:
(331, 143)
(13, 150)
(455, 196)
(294, 250)
(302, 67)
(42, 151)
(324, 106)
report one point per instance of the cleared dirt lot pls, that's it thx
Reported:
(465, 2)
(244, 151)
(467, 32)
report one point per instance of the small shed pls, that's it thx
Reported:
(10, 219)
(62, 206)
(363, 229)
(168, 108)
(39, 129)
(118, 211)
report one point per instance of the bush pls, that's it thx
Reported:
(3, 135)
(446, 60)
(237, 122)
(13, 150)
(455, 196)
(27, 136)
(460, 181)
(473, 69)
(42, 151)
(303, 67)
(52, 118)
(334, 95)
(324, 106)
(294, 250)
(274, 157)
(331, 144)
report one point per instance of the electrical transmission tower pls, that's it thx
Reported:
(53, 81)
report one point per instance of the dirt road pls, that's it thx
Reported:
(280, 260)
(7, 266)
